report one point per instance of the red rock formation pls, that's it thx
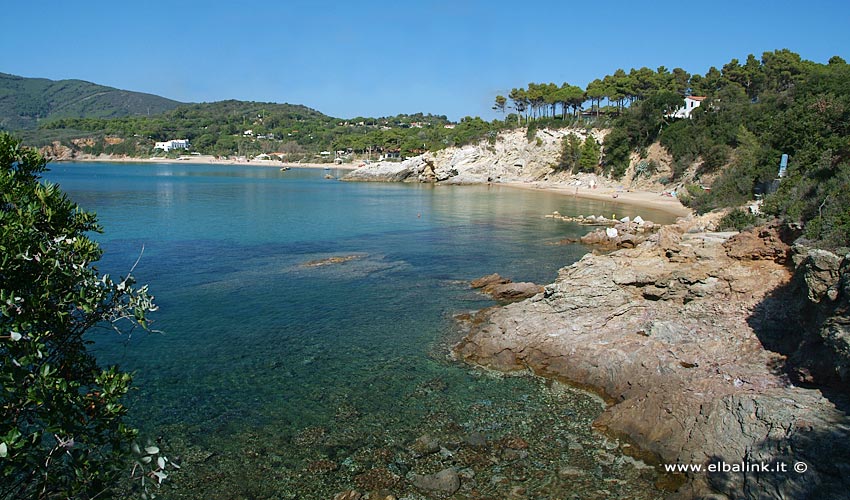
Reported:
(669, 332)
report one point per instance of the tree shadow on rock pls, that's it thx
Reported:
(811, 463)
(805, 321)
(788, 322)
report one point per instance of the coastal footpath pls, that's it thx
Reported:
(700, 341)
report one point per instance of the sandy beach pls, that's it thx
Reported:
(645, 199)
(209, 160)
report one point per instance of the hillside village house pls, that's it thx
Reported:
(172, 144)
(691, 103)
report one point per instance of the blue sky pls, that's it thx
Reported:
(376, 58)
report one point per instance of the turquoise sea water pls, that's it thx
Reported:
(275, 378)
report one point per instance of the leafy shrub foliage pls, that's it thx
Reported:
(62, 433)
(590, 155)
(570, 153)
(737, 220)
(617, 152)
(645, 168)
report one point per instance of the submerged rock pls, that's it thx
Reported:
(348, 495)
(505, 290)
(425, 445)
(514, 291)
(377, 478)
(332, 260)
(568, 472)
(475, 439)
(322, 466)
(489, 280)
(446, 481)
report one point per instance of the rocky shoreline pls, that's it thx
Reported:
(708, 346)
(676, 334)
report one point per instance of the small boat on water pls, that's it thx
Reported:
(284, 169)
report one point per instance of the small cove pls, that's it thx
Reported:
(279, 379)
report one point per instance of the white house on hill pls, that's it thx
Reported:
(691, 103)
(172, 144)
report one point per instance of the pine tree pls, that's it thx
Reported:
(590, 152)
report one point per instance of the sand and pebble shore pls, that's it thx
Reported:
(208, 160)
(637, 198)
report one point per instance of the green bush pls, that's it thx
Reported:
(590, 155)
(570, 153)
(822, 203)
(680, 165)
(531, 131)
(62, 430)
(617, 152)
(694, 196)
(715, 157)
(646, 168)
(737, 220)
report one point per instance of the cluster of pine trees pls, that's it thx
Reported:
(579, 156)
(619, 90)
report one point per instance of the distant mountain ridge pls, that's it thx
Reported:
(26, 101)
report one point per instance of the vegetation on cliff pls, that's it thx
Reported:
(752, 114)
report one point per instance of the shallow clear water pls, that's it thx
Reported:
(269, 365)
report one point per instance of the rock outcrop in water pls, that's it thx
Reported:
(332, 260)
(674, 333)
(511, 158)
(505, 290)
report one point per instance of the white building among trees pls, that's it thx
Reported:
(691, 103)
(172, 144)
